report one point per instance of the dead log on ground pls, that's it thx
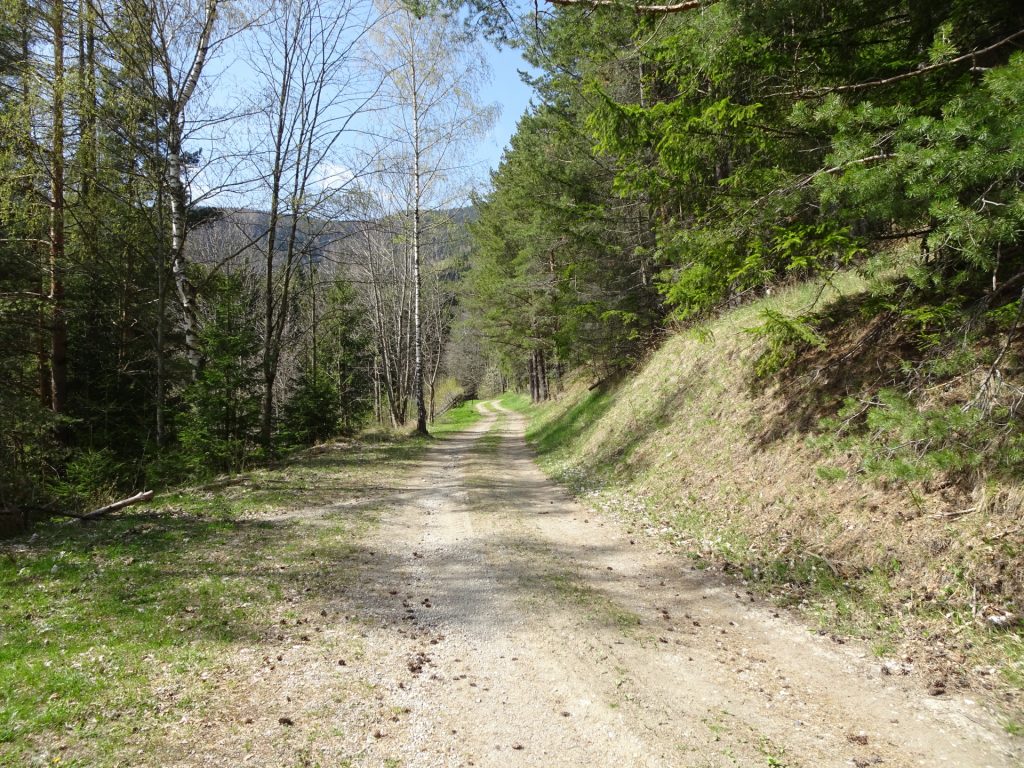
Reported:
(143, 496)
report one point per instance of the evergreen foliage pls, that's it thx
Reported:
(763, 142)
(346, 357)
(671, 165)
(313, 409)
(730, 150)
(219, 428)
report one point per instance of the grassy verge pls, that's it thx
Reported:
(457, 419)
(97, 618)
(515, 401)
(728, 471)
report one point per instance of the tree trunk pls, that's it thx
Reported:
(177, 103)
(533, 377)
(269, 320)
(421, 411)
(161, 329)
(313, 327)
(542, 375)
(267, 417)
(377, 412)
(179, 263)
(58, 319)
(43, 343)
(163, 289)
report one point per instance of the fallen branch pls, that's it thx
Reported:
(955, 514)
(982, 396)
(143, 496)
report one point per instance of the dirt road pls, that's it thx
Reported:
(495, 622)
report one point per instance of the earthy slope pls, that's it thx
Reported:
(698, 451)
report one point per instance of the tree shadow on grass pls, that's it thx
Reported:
(91, 612)
(860, 356)
(571, 426)
(650, 416)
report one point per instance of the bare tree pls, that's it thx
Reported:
(433, 70)
(58, 321)
(439, 302)
(383, 270)
(304, 61)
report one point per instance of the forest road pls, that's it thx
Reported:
(489, 620)
(510, 627)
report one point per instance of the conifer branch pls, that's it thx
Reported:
(920, 70)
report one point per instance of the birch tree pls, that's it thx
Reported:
(383, 267)
(179, 38)
(433, 71)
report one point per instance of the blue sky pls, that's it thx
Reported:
(233, 84)
(507, 90)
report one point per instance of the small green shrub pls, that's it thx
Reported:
(218, 429)
(896, 439)
(786, 336)
(312, 412)
(90, 477)
(831, 474)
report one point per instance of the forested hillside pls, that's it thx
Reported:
(692, 158)
(781, 247)
(227, 230)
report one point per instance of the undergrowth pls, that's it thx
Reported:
(95, 616)
(934, 382)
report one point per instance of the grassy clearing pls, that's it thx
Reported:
(96, 617)
(457, 419)
(729, 471)
(515, 401)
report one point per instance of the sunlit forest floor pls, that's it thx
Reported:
(417, 603)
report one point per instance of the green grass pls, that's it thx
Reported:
(457, 419)
(551, 431)
(774, 755)
(95, 616)
(515, 401)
